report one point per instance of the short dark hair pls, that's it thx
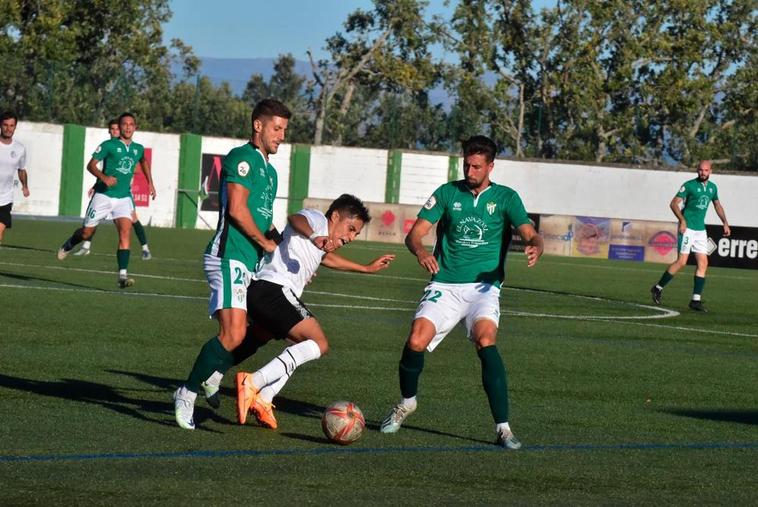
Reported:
(349, 205)
(113, 121)
(480, 145)
(126, 114)
(271, 107)
(8, 115)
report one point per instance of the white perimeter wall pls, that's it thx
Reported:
(44, 150)
(420, 176)
(335, 171)
(280, 161)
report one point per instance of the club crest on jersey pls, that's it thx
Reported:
(491, 207)
(243, 168)
(682, 189)
(430, 203)
(13, 154)
(239, 293)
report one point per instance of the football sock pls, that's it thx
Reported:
(285, 363)
(74, 240)
(666, 278)
(410, 403)
(271, 390)
(86, 245)
(502, 427)
(494, 382)
(213, 358)
(140, 232)
(122, 256)
(698, 289)
(411, 365)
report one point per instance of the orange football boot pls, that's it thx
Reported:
(246, 394)
(263, 412)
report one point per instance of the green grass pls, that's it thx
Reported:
(611, 410)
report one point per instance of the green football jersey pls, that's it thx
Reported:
(473, 232)
(246, 166)
(697, 196)
(120, 161)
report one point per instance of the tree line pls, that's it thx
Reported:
(620, 81)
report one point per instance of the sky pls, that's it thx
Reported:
(266, 29)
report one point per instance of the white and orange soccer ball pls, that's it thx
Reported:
(343, 422)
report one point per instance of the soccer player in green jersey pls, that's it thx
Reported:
(690, 205)
(139, 230)
(246, 207)
(474, 218)
(113, 193)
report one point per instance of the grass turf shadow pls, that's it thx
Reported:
(721, 415)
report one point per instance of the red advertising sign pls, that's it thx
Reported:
(140, 187)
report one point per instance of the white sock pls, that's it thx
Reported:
(145, 248)
(215, 379)
(286, 363)
(122, 273)
(696, 297)
(657, 286)
(270, 391)
(86, 245)
(503, 427)
(409, 403)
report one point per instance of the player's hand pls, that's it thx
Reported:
(682, 226)
(533, 254)
(109, 181)
(25, 191)
(428, 262)
(324, 243)
(727, 231)
(380, 263)
(90, 192)
(268, 245)
(152, 191)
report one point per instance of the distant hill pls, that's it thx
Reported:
(237, 72)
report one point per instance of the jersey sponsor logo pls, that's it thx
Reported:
(471, 232)
(491, 207)
(457, 206)
(243, 168)
(430, 203)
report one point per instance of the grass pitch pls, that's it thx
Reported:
(616, 401)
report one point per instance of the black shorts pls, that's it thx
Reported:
(5, 215)
(275, 307)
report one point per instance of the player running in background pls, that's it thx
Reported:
(474, 218)
(695, 196)
(274, 304)
(12, 162)
(139, 230)
(113, 194)
(246, 207)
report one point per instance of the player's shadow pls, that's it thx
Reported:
(19, 247)
(722, 415)
(106, 396)
(27, 278)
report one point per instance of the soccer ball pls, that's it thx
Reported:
(343, 422)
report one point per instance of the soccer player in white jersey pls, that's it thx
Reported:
(12, 162)
(274, 304)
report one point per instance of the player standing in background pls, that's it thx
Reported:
(139, 230)
(113, 194)
(274, 304)
(696, 194)
(246, 207)
(474, 218)
(12, 161)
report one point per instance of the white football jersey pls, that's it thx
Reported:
(12, 158)
(296, 259)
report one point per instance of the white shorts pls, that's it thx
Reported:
(228, 280)
(100, 206)
(693, 241)
(446, 304)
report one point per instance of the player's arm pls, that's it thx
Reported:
(95, 171)
(676, 207)
(239, 213)
(335, 261)
(413, 241)
(22, 177)
(144, 165)
(722, 215)
(300, 225)
(534, 244)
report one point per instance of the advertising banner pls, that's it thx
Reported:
(558, 233)
(739, 250)
(140, 188)
(627, 241)
(591, 235)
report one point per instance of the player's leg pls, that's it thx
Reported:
(139, 230)
(684, 247)
(123, 227)
(97, 210)
(5, 219)
(696, 302)
(86, 245)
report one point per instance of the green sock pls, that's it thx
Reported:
(213, 357)
(699, 284)
(123, 258)
(140, 232)
(666, 278)
(411, 365)
(494, 382)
